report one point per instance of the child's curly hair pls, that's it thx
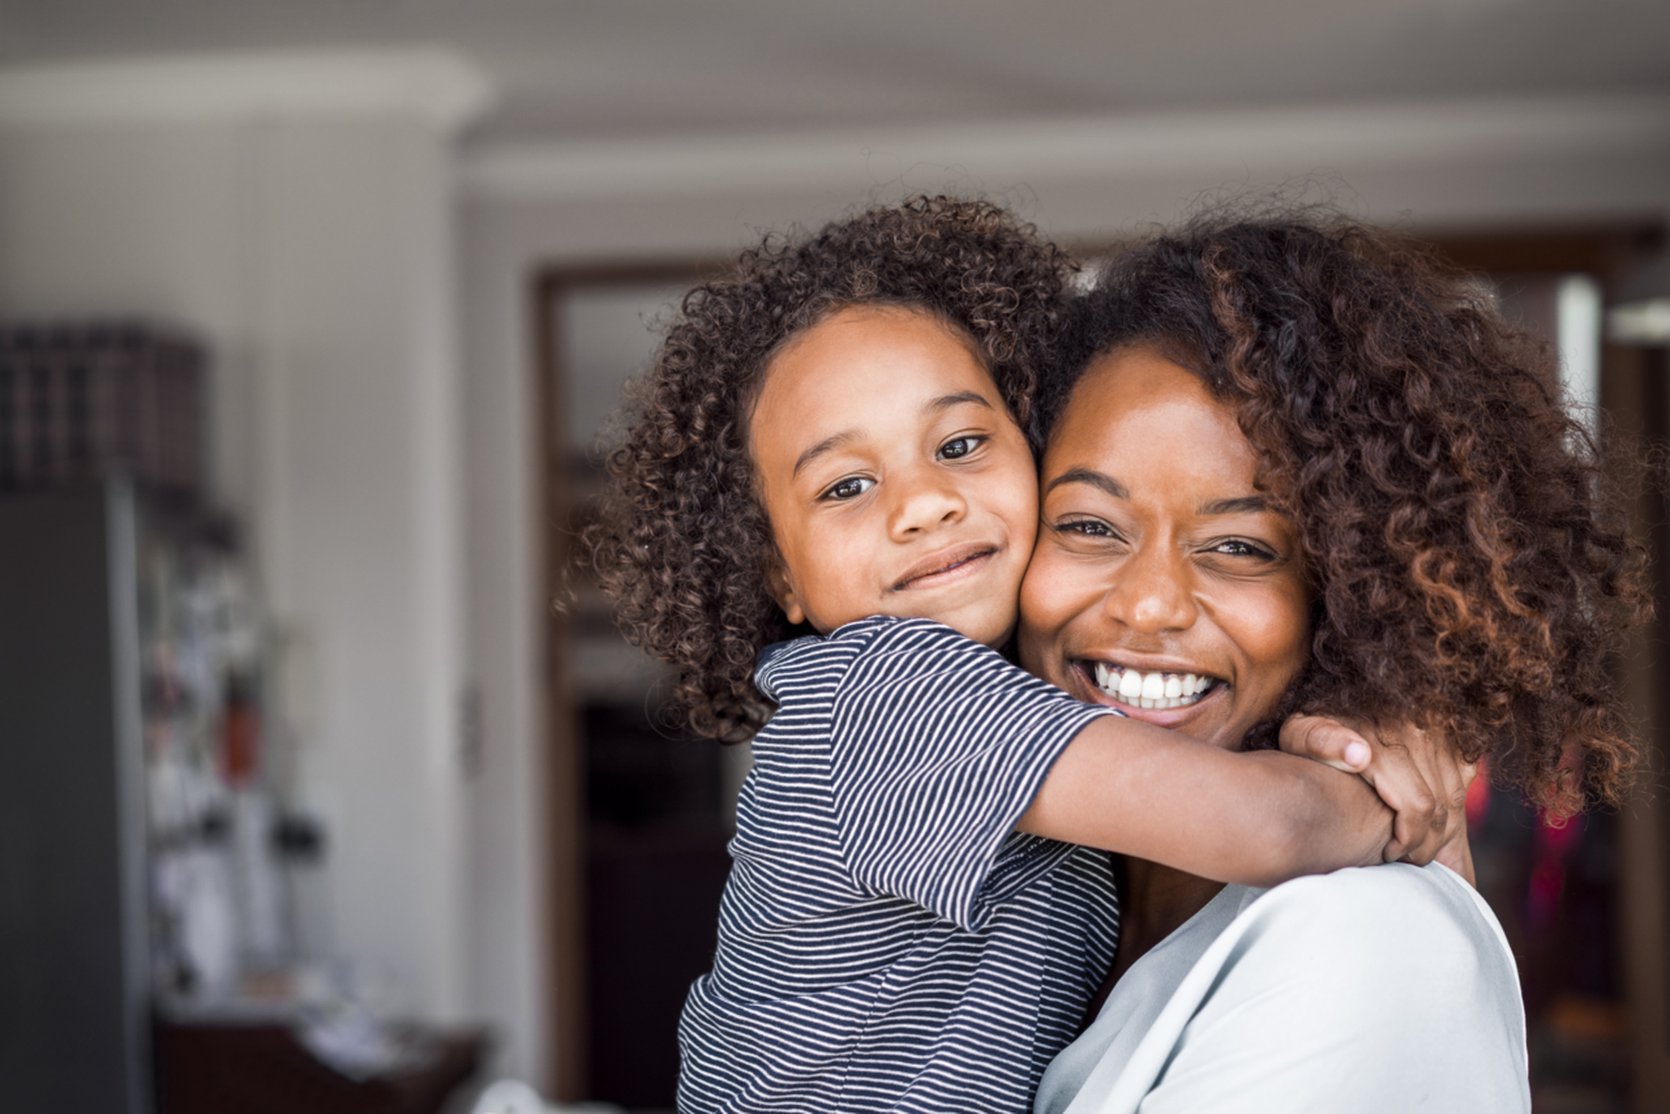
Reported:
(683, 543)
(1467, 563)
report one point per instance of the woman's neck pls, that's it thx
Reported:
(1155, 900)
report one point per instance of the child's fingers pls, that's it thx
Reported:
(1420, 828)
(1457, 854)
(1424, 784)
(1325, 740)
(1454, 850)
(1421, 817)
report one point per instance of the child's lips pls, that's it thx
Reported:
(945, 565)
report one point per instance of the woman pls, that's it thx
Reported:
(1312, 465)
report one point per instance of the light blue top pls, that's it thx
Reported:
(1373, 990)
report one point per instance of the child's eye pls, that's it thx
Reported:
(849, 488)
(960, 446)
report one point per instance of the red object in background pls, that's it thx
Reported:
(240, 751)
(1478, 798)
(1556, 841)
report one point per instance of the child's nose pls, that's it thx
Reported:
(925, 504)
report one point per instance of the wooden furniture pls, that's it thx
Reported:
(261, 1068)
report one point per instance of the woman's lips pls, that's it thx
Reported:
(1163, 696)
(945, 566)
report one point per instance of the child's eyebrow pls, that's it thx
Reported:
(946, 402)
(828, 444)
(943, 402)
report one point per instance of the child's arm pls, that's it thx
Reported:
(1257, 818)
(1413, 770)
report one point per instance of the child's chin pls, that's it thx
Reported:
(994, 629)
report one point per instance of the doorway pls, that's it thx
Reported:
(641, 811)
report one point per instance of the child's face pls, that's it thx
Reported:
(894, 478)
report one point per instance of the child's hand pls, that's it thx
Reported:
(1418, 777)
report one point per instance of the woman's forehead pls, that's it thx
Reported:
(1139, 388)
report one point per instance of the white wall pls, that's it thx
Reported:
(314, 253)
(358, 512)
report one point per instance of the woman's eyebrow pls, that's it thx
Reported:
(1245, 504)
(1101, 481)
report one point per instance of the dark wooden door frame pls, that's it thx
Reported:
(564, 837)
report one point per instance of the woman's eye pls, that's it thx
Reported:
(960, 447)
(1238, 547)
(1085, 528)
(850, 488)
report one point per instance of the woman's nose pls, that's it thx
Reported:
(924, 502)
(1151, 592)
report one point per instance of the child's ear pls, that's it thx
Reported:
(777, 583)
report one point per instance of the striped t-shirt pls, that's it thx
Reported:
(887, 941)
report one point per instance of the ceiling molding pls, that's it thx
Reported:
(1208, 145)
(433, 85)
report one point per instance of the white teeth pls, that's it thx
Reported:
(1151, 690)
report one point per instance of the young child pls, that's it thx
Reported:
(830, 443)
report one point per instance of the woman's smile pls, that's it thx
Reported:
(1161, 689)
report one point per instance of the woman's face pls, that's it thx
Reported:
(1163, 583)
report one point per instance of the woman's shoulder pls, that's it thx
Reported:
(1358, 892)
(1417, 942)
(1405, 918)
(1320, 994)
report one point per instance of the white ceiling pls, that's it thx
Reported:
(586, 69)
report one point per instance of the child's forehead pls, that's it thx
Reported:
(876, 358)
(895, 319)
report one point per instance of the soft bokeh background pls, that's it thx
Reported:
(419, 242)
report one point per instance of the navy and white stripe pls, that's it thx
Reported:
(886, 940)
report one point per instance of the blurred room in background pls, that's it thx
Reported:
(325, 783)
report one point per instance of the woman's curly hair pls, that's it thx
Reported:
(1470, 570)
(683, 544)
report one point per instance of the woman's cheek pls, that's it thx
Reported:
(1271, 628)
(1034, 598)
(1053, 594)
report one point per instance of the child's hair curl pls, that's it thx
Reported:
(1469, 566)
(683, 544)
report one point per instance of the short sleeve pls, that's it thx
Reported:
(938, 745)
